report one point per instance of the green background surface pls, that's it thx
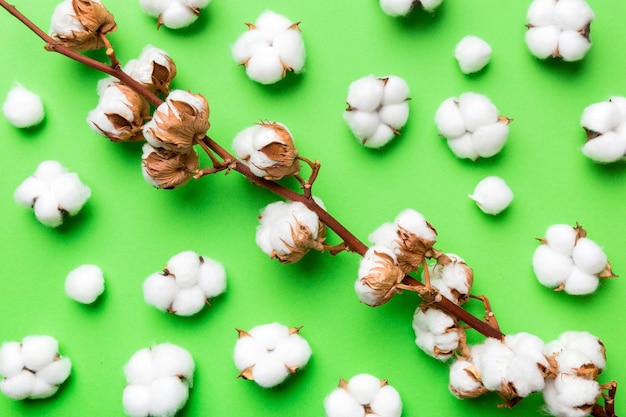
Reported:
(130, 229)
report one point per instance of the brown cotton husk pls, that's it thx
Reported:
(282, 151)
(129, 130)
(412, 249)
(96, 21)
(162, 76)
(383, 279)
(171, 169)
(303, 241)
(181, 126)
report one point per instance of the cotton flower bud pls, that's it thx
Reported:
(605, 126)
(168, 169)
(436, 333)
(472, 53)
(472, 126)
(363, 395)
(23, 108)
(120, 113)
(404, 7)
(186, 284)
(268, 150)
(378, 276)
(174, 14)
(81, 24)
(154, 68)
(288, 230)
(559, 29)
(53, 193)
(33, 368)
(410, 237)
(465, 380)
(269, 353)
(158, 381)
(84, 283)
(492, 195)
(377, 109)
(179, 122)
(568, 260)
(270, 48)
(451, 277)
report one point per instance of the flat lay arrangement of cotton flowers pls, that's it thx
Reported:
(605, 125)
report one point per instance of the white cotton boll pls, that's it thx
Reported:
(380, 138)
(265, 66)
(362, 123)
(460, 379)
(527, 347)
(542, 41)
(85, 283)
(463, 147)
(42, 389)
(270, 335)
(525, 375)
(472, 53)
(396, 90)
(620, 103)
(364, 387)
(194, 100)
(387, 402)
(606, 148)
(477, 110)
(415, 222)
(370, 261)
(432, 320)
(99, 122)
(290, 48)
(247, 44)
(49, 171)
(583, 342)
(294, 351)
(271, 24)
(492, 195)
(572, 45)
(541, 12)
(22, 107)
(248, 351)
(340, 403)
(242, 142)
(489, 140)
(184, 267)
(491, 359)
(200, 4)
(57, 372)
(10, 359)
(385, 236)
(449, 119)
(430, 5)
(395, 115)
(39, 351)
(167, 395)
(601, 117)
(551, 268)
(572, 14)
(396, 7)
(154, 7)
(170, 359)
(47, 210)
(365, 93)
(177, 16)
(159, 291)
(568, 395)
(139, 370)
(70, 192)
(136, 400)
(561, 238)
(64, 20)
(569, 360)
(19, 386)
(269, 371)
(188, 301)
(589, 256)
(580, 283)
(212, 277)
(28, 191)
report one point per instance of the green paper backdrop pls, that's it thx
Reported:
(130, 229)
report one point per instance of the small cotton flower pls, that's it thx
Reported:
(472, 53)
(590, 354)
(268, 149)
(605, 126)
(377, 109)
(53, 193)
(186, 284)
(465, 380)
(168, 169)
(492, 195)
(570, 396)
(174, 14)
(362, 395)
(378, 276)
(436, 332)
(559, 29)
(268, 353)
(85, 283)
(404, 7)
(81, 24)
(158, 381)
(154, 68)
(288, 230)
(452, 277)
(472, 126)
(270, 48)
(32, 368)
(22, 107)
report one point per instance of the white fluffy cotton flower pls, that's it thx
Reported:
(32, 368)
(22, 107)
(436, 333)
(270, 48)
(472, 54)
(378, 276)
(154, 68)
(472, 126)
(53, 193)
(465, 380)
(186, 284)
(559, 29)
(404, 7)
(605, 126)
(568, 260)
(174, 14)
(570, 396)
(452, 277)
(363, 394)
(377, 109)
(85, 283)
(492, 195)
(81, 25)
(269, 353)
(158, 380)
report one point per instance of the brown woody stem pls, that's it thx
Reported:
(110, 52)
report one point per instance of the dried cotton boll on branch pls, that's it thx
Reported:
(85, 283)
(465, 380)
(270, 48)
(168, 169)
(377, 109)
(492, 195)
(82, 25)
(559, 29)
(605, 126)
(158, 381)
(269, 353)
(53, 193)
(186, 284)
(22, 107)
(472, 126)
(472, 54)
(570, 396)
(174, 14)
(154, 68)
(404, 7)
(363, 395)
(589, 354)
(378, 276)
(268, 149)
(32, 369)
(452, 277)
(436, 333)
(288, 230)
